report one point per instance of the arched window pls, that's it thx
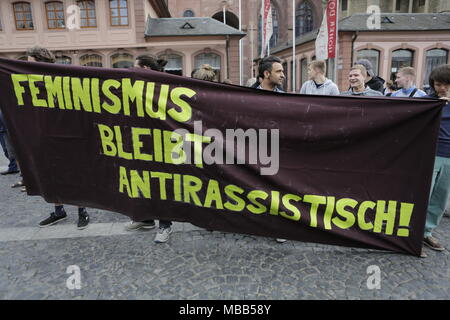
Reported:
(91, 60)
(122, 60)
(188, 14)
(434, 58)
(63, 60)
(230, 18)
(118, 10)
(23, 16)
(304, 70)
(87, 13)
(275, 35)
(304, 18)
(55, 15)
(401, 58)
(174, 64)
(209, 58)
(373, 56)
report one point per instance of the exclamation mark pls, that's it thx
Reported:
(406, 210)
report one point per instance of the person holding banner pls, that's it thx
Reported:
(12, 166)
(373, 81)
(405, 80)
(39, 54)
(440, 184)
(150, 62)
(205, 72)
(272, 74)
(357, 79)
(318, 83)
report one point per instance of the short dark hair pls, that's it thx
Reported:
(440, 74)
(41, 54)
(151, 61)
(266, 64)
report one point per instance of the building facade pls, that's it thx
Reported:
(111, 33)
(308, 17)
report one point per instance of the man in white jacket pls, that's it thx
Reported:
(318, 83)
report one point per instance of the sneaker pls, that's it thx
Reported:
(433, 243)
(54, 218)
(133, 225)
(279, 240)
(163, 235)
(83, 220)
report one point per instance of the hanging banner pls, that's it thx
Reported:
(351, 171)
(267, 26)
(327, 36)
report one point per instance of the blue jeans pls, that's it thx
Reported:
(12, 166)
(440, 191)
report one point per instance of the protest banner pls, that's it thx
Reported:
(351, 171)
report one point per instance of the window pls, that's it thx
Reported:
(63, 60)
(344, 5)
(304, 70)
(330, 69)
(119, 12)
(23, 16)
(122, 60)
(401, 58)
(398, 5)
(421, 3)
(209, 58)
(188, 14)
(87, 14)
(292, 75)
(434, 58)
(91, 60)
(174, 64)
(55, 15)
(304, 21)
(275, 35)
(373, 56)
(286, 76)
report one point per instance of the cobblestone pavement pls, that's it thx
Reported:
(195, 264)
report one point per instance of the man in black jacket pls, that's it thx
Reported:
(372, 81)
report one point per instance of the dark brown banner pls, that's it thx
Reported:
(352, 171)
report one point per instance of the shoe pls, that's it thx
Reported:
(446, 214)
(18, 184)
(83, 220)
(433, 243)
(4, 173)
(23, 189)
(54, 218)
(423, 254)
(279, 240)
(163, 235)
(133, 225)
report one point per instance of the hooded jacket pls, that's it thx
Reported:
(376, 83)
(328, 88)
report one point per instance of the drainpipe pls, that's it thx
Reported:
(228, 57)
(355, 35)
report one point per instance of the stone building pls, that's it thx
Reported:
(111, 33)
